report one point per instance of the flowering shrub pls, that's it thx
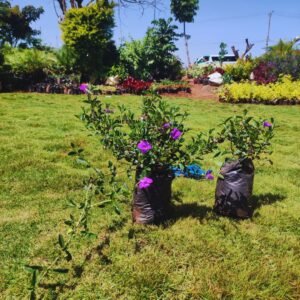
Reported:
(285, 91)
(239, 71)
(265, 73)
(135, 86)
(248, 137)
(286, 64)
(151, 141)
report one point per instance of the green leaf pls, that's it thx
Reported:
(68, 222)
(72, 153)
(220, 176)
(60, 270)
(117, 209)
(34, 267)
(61, 241)
(91, 235)
(32, 295)
(68, 256)
(34, 278)
(103, 203)
(72, 203)
(217, 154)
(82, 162)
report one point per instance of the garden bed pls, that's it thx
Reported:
(129, 86)
(255, 101)
(284, 92)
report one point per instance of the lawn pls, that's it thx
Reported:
(196, 256)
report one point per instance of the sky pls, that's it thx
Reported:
(229, 21)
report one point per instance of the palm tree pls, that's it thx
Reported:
(282, 48)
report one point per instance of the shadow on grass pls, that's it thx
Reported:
(257, 201)
(193, 210)
(201, 212)
(187, 210)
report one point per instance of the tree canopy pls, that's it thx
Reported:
(184, 11)
(15, 24)
(88, 30)
(65, 5)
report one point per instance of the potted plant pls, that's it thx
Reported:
(246, 139)
(152, 143)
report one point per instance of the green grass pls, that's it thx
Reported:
(197, 256)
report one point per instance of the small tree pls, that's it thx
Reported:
(133, 59)
(184, 11)
(88, 30)
(153, 57)
(160, 48)
(223, 51)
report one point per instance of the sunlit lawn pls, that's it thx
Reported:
(197, 256)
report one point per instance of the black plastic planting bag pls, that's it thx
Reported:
(152, 205)
(234, 189)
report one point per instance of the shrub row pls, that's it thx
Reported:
(130, 85)
(285, 91)
(167, 86)
(264, 70)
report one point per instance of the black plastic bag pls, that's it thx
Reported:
(152, 205)
(234, 190)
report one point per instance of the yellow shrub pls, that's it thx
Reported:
(284, 89)
(239, 71)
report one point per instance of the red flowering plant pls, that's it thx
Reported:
(135, 86)
(265, 73)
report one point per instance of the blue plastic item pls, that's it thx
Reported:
(191, 171)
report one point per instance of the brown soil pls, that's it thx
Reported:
(198, 92)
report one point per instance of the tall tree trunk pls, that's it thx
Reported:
(186, 46)
(62, 5)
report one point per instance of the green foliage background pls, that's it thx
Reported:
(153, 56)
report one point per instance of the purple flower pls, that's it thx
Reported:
(107, 110)
(209, 175)
(83, 87)
(267, 124)
(175, 134)
(166, 125)
(144, 146)
(145, 182)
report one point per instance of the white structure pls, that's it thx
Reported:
(215, 60)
